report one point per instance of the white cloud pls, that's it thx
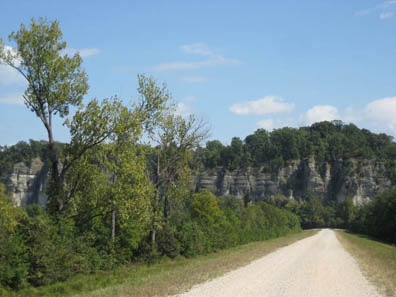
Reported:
(184, 107)
(16, 99)
(199, 49)
(8, 75)
(319, 113)
(378, 114)
(385, 10)
(353, 115)
(266, 105)
(381, 113)
(194, 79)
(84, 52)
(387, 4)
(386, 15)
(267, 124)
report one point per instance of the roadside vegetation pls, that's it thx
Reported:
(120, 191)
(165, 277)
(376, 259)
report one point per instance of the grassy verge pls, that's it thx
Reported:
(376, 259)
(166, 278)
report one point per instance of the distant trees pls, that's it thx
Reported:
(325, 141)
(21, 152)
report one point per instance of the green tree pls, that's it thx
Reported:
(204, 207)
(13, 261)
(346, 211)
(55, 81)
(176, 139)
(111, 179)
(212, 153)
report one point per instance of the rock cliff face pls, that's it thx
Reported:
(360, 180)
(27, 183)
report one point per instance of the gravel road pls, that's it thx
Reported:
(317, 266)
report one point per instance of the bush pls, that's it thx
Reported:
(167, 243)
(378, 217)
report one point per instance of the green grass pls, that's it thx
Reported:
(165, 278)
(376, 259)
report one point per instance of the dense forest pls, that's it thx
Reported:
(326, 141)
(120, 190)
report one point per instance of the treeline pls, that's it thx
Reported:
(37, 249)
(326, 141)
(315, 213)
(377, 218)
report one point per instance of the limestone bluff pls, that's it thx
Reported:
(358, 179)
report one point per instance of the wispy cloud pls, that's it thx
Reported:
(84, 52)
(194, 79)
(267, 124)
(386, 15)
(184, 107)
(16, 99)
(200, 49)
(266, 105)
(384, 10)
(387, 4)
(362, 12)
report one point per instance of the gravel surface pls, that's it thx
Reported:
(316, 266)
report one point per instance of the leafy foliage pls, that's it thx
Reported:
(326, 141)
(378, 217)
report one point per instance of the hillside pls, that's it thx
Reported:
(328, 160)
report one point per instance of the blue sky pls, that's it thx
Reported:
(241, 65)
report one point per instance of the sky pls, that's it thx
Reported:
(239, 65)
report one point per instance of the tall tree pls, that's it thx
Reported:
(55, 81)
(176, 138)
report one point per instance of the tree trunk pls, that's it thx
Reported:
(55, 201)
(113, 217)
(153, 238)
(166, 209)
